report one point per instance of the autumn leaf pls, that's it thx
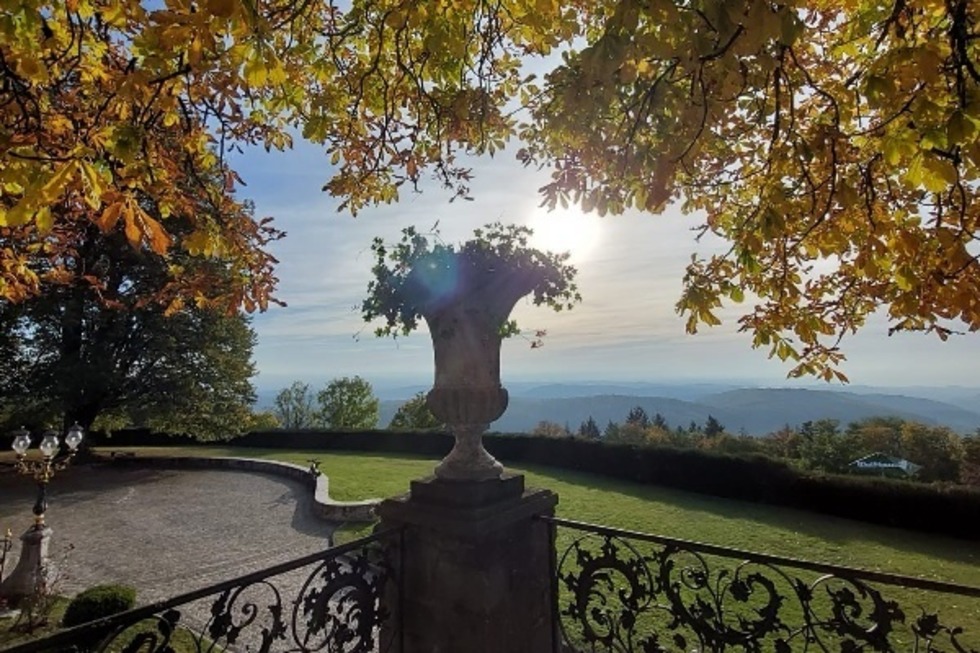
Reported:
(94, 186)
(222, 8)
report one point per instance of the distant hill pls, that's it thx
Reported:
(756, 410)
(523, 414)
(763, 410)
(969, 402)
(685, 391)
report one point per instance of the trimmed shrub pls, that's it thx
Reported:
(423, 443)
(140, 437)
(98, 602)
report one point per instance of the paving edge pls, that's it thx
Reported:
(325, 507)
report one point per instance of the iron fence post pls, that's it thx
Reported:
(556, 643)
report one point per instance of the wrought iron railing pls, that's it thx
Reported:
(331, 601)
(624, 591)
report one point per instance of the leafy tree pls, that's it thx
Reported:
(589, 430)
(84, 350)
(834, 144)
(626, 434)
(415, 414)
(655, 435)
(548, 429)
(638, 417)
(264, 420)
(294, 407)
(936, 448)
(727, 443)
(348, 403)
(970, 469)
(713, 428)
(796, 131)
(100, 139)
(204, 391)
(823, 447)
(784, 443)
(882, 434)
(185, 373)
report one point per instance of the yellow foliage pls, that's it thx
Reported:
(811, 134)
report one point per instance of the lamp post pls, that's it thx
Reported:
(31, 569)
(43, 470)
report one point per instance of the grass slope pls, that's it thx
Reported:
(652, 509)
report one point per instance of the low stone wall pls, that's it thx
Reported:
(327, 508)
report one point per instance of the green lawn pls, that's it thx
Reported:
(9, 637)
(685, 515)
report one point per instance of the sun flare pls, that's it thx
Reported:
(565, 230)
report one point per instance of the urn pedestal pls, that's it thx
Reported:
(473, 565)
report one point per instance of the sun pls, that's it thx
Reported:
(565, 230)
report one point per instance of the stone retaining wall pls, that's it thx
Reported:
(327, 508)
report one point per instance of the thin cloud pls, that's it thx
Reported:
(625, 328)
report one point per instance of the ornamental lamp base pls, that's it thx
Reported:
(32, 570)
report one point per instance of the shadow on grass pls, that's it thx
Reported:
(837, 531)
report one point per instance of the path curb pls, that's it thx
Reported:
(327, 508)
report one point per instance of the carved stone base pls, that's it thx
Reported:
(468, 460)
(468, 412)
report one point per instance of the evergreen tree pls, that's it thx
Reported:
(713, 428)
(589, 430)
(638, 417)
(611, 431)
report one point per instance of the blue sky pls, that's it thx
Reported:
(625, 329)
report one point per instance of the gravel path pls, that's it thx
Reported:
(166, 532)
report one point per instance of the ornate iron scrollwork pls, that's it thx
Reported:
(628, 592)
(339, 608)
(329, 602)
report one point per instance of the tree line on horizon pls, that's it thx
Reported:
(820, 445)
(346, 402)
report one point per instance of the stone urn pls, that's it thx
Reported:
(466, 304)
(465, 294)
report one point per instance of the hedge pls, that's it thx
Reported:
(942, 509)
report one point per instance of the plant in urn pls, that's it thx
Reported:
(465, 294)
